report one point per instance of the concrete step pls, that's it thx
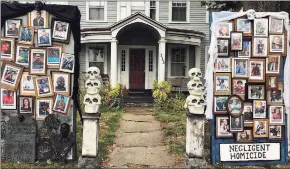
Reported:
(150, 139)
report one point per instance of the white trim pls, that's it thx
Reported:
(105, 13)
(206, 56)
(187, 13)
(105, 46)
(57, 2)
(206, 14)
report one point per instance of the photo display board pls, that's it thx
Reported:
(249, 124)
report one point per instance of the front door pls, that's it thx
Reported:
(137, 69)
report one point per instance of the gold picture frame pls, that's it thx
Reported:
(224, 86)
(8, 80)
(28, 85)
(64, 90)
(9, 44)
(42, 22)
(28, 39)
(45, 88)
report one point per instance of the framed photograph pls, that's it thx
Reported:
(43, 86)
(7, 49)
(61, 83)
(8, 99)
(222, 83)
(26, 105)
(12, 27)
(276, 43)
(11, 75)
(236, 41)
(275, 97)
(43, 107)
(54, 55)
(276, 132)
(61, 104)
(259, 109)
(38, 19)
(223, 65)
(275, 25)
(223, 47)
(27, 87)
(223, 127)
(44, 37)
(271, 82)
(240, 67)
(60, 31)
(247, 49)
(245, 136)
(257, 70)
(239, 87)
(260, 47)
(235, 105)
(261, 27)
(236, 123)
(256, 92)
(261, 128)
(224, 29)
(67, 63)
(276, 115)
(285, 44)
(244, 25)
(248, 114)
(22, 55)
(220, 104)
(37, 61)
(26, 35)
(273, 64)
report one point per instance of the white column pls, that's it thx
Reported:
(114, 63)
(161, 60)
(197, 57)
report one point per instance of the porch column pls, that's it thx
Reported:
(161, 59)
(114, 63)
(198, 57)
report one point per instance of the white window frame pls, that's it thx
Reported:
(206, 14)
(105, 46)
(156, 8)
(207, 56)
(52, 2)
(170, 47)
(88, 14)
(187, 13)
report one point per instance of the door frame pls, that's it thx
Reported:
(144, 71)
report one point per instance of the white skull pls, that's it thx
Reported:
(93, 86)
(195, 87)
(195, 104)
(92, 103)
(195, 74)
(93, 73)
(251, 14)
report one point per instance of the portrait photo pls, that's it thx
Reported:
(276, 132)
(240, 67)
(245, 136)
(239, 87)
(259, 109)
(276, 115)
(244, 25)
(7, 49)
(22, 55)
(8, 99)
(37, 61)
(38, 19)
(61, 104)
(235, 105)
(11, 75)
(223, 65)
(224, 29)
(44, 86)
(261, 27)
(236, 123)
(12, 27)
(27, 87)
(273, 64)
(277, 43)
(223, 127)
(271, 82)
(220, 104)
(236, 41)
(67, 63)
(247, 49)
(44, 37)
(256, 92)
(223, 47)
(26, 104)
(257, 70)
(43, 108)
(54, 55)
(260, 47)
(275, 25)
(261, 128)
(60, 31)
(222, 83)
(275, 97)
(26, 35)
(61, 83)
(248, 114)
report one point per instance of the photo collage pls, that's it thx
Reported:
(248, 96)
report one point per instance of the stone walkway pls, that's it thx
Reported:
(139, 142)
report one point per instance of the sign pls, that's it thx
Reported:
(250, 152)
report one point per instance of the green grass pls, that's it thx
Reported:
(177, 147)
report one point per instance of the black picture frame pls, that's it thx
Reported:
(241, 108)
(226, 54)
(32, 105)
(248, 87)
(241, 123)
(66, 41)
(5, 33)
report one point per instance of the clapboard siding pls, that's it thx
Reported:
(82, 59)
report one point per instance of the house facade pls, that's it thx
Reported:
(135, 42)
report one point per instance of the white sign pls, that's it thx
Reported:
(250, 152)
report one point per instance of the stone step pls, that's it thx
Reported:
(150, 139)
(138, 118)
(135, 127)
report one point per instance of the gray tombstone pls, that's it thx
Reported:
(20, 140)
(3, 135)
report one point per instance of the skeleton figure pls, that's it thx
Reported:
(195, 104)
(93, 86)
(195, 87)
(92, 103)
(93, 73)
(251, 14)
(195, 74)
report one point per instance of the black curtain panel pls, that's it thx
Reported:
(67, 13)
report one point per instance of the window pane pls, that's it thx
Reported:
(100, 65)
(136, 3)
(178, 13)
(177, 69)
(153, 14)
(152, 3)
(150, 60)
(123, 61)
(96, 14)
(178, 55)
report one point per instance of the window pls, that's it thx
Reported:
(207, 56)
(137, 6)
(150, 61)
(56, 2)
(123, 61)
(96, 11)
(153, 10)
(179, 11)
(97, 57)
(178, 61)
(206, 15)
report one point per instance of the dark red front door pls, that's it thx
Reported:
(137, 69)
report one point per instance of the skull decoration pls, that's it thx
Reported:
(195, 74)
(93, 73)
(251, 14)
(92, 103)
(195, 87)
(93, 86)
(195, 104)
